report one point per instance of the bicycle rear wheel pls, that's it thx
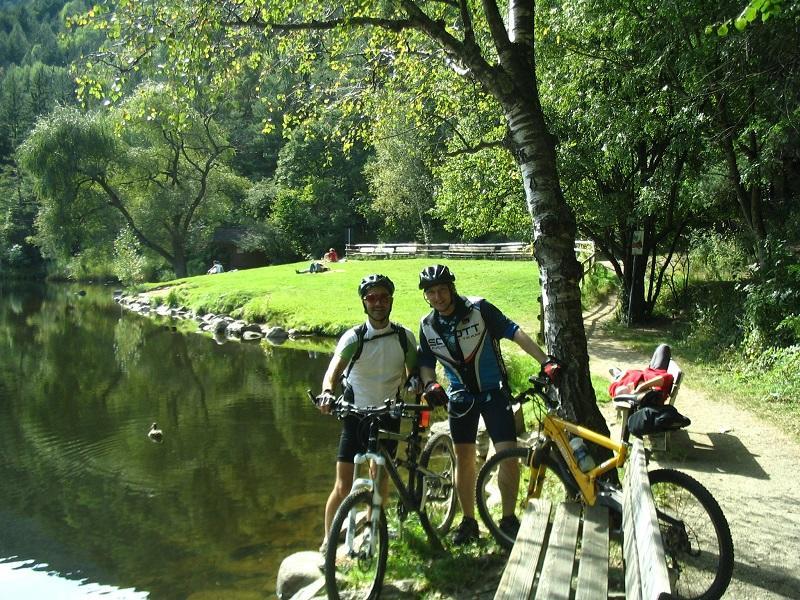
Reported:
(439, 490)
(497, 480)
(355, 561)
(697, 539)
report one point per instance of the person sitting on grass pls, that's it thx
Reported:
(331, 256)
(314, 267)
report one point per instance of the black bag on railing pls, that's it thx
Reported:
(656, 419)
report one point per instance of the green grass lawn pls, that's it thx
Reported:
(327, 303)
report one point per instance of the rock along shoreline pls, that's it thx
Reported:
(221, 327)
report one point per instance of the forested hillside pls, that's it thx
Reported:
(143, 141)
(663, 125)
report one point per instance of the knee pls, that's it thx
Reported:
(341, 488)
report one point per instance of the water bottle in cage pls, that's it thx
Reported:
(582, 456)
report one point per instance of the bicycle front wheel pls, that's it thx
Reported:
(355, 561)
(437, 490)
(697, 539)
(505, 485)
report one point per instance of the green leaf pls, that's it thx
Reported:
(723, 30)
(740, 23)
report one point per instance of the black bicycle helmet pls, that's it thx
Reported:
(370, 281)
(434, 275)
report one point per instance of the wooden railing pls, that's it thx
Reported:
(501, 250)
(504, 250)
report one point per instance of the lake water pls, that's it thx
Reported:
(90, 506)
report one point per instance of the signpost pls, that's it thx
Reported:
(637, 248)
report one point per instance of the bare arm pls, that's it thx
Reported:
(332, 375)
(650, 383)
(530, 347)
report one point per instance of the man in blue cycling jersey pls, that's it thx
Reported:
(463, 334)
(376, 358)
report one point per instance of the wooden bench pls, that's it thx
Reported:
(660, 441)
(546, 555)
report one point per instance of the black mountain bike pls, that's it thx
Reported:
(358, 542)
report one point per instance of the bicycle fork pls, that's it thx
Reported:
(365, 548)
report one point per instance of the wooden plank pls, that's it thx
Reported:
(593, 567)
(520, 570)
(677, 378)
(633, 585)
(555, 581)
(649, 546)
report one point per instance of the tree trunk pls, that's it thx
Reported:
(179, 260)
(749, 198)
(633, 301)
(554, 249)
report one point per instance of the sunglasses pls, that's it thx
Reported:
(373, 298)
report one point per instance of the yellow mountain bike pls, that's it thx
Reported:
(697, 539)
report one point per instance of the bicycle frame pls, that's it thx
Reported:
(379, 457)
(556, 429)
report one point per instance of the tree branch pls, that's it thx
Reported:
(496, 27)
(115, 201)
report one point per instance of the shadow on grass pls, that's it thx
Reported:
(471, 571)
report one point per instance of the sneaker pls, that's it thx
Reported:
(466, 532)
(509, 525)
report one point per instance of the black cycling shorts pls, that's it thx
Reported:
(466, 408)
(355, 436)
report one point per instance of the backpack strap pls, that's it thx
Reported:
(401, 335)
(361, 331)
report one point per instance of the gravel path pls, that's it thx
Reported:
(748, 465)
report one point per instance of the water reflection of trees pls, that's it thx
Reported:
(239, 480)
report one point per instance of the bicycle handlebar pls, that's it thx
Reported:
(391, 406)
(540, 386)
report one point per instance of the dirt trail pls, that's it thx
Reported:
(749, 466)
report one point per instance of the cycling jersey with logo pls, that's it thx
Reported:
(467, 344)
